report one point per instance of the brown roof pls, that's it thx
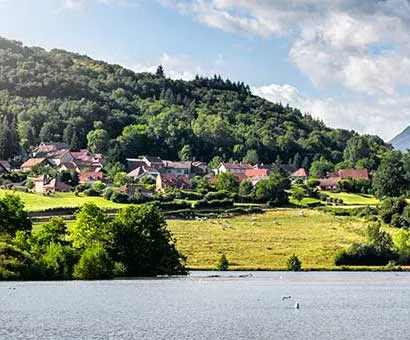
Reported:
(232, 166)
(354, 173)
(90, 176)
(177, 165)
(6, 165)
(256, 172)
(299, 173)
(326, 182)
(57, 185)
(33, 162)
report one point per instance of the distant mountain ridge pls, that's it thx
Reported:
(402, 140)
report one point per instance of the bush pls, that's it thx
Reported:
(94, 264)
(189, 195)
(217, 195)
(108, 193)
(81, 187)
(213, 204)
(118, 197)
(293, 263)
(175, 205)
(222, 263)
(361, 255)
(92, 193)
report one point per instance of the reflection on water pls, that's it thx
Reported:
(258, 305)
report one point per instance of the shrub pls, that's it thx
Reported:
(175, 205)
(361, 255)
(217, 195)
(94, 264)
(92, 193)
(293, 263)
(222, 263)
(118, 197)
(81, 187)
(189, 195)
(213, 204)
(99, 186)
(108, 193)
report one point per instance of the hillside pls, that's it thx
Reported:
(61, 96)
(402, 140)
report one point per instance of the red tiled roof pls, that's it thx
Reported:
(175, 180)
(90, 176)
(70, 165)
(299, 173)
(326, 182)
(241, 177)
(256, 172)
(232, 166)
(354, 173)
(57, 185)
(33, 162)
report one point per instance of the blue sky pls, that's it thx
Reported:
(344, 61)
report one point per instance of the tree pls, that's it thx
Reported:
(320, 168)
(160, 72)
(227, 181)
(251, 157)
(246, 187)
(298, 193)
(91, 226)
(357, 148)
(390, 180)
(143, 244)
(293, 263)
(222, 263)
(98, 140)
(95, 263)
(13, 217)
(185, 154)
(273, 189)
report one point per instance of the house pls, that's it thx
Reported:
(299, 174)
(59, 156)
(131, 189)
(327, 184)
(165, 181)
(237, 168)
(32, 162)
(177, 168)
(45, 183)
(68, 167)
(5, 166)
(256, 172)
(354, 174)
(90, 177)
(199, 168)
(87, 161)
(43, 150)
(149, 161)
(143, 172)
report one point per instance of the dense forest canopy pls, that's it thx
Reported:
(61, 96)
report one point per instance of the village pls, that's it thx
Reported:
(53, 167)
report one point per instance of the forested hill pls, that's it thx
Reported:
(61, 96)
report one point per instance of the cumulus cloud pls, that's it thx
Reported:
(370, 117)
(178, 67)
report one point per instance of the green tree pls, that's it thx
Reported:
(98, 140)
(246, 187)
(13, 217)
(185, 154)
(320, 168)
(227, 181)
(222, 264)
(273, 189)
(91, 226)
(293, 263)
(143, 243)
(390, 180)
(95, 264)
(251, 157)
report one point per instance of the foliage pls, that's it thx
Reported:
(13, 217)
(293, 263)
(95, 264)
(246, 187)
(320, 168)
(222, 263)
(57, 96)
(227, 181)
(392, 209)
(273, 189)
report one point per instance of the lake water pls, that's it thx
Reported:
(333, 305)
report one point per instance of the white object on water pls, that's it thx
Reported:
(297, 305)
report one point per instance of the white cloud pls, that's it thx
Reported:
(176, 67)
(364, 117)
(81, 4)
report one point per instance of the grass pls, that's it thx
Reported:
(355, 199)
(265, 241)
(39, 202)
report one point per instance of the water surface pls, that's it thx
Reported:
(333, 305)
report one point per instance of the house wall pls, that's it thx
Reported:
(38, 187)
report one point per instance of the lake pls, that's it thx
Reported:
(333, 305)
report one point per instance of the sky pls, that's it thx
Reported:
(346, 62)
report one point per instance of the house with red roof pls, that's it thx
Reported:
(354, 174)
(32, 162)
(299, 174)
(236, 168)
(45, 183)
(328, 184)
(165, 181)
(90, 177)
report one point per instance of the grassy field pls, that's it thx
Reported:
(265, 241)
(355, 199)
(38, 202)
